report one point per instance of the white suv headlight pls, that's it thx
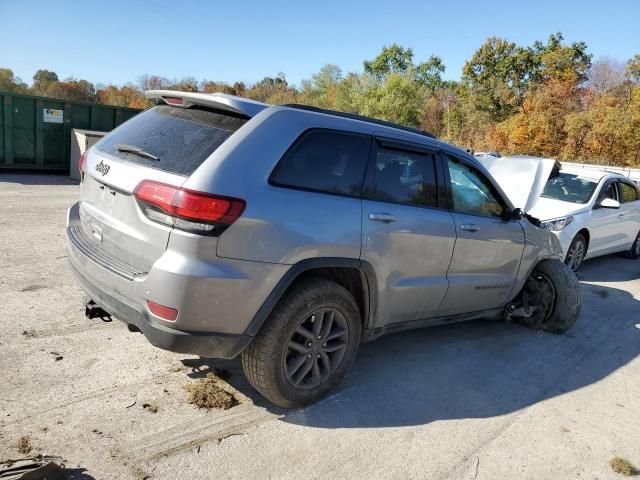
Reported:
(557, 224)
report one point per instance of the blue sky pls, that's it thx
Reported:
(115, 41)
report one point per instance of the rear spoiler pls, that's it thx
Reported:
(222, 101)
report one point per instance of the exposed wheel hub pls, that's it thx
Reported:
(540, 294)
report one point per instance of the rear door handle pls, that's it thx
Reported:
(382, 217)
(620, 215)
(469, 227)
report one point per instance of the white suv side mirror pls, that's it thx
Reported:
(609, 203)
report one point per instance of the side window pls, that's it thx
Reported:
(609, 191)
(471, 192)
(628, 193)
(404, 177)
(325, 161)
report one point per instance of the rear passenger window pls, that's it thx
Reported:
(325, 161)
(404, 177)
(628, 193)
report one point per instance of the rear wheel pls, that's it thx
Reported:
(306, 345)
(576, 253)
(552, 296)
(634, 251)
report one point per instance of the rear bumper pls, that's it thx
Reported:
(210, 345)
(216, 298)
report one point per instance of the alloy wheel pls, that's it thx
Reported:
(316, 348)
(575, 255)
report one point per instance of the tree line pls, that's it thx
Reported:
(546, 99)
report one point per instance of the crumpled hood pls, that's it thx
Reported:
(522, 178)
(550, 208)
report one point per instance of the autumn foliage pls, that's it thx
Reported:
(547, 99)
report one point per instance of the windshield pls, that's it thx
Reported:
(174, 139)
(569, 188)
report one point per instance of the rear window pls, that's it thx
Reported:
(180, 138)
(325, 161)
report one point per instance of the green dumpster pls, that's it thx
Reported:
(35, 132)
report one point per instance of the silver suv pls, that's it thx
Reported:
(220, 226)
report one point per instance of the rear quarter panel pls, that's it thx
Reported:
(279, 225)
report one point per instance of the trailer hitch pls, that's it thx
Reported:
(91, 311)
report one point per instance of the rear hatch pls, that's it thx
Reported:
(164, 144)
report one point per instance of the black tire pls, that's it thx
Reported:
(576, 253)
(634, 251)
(564, 309)
(268, 362)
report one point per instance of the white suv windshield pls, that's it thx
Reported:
(569, 188)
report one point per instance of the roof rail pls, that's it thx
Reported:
(353, 116)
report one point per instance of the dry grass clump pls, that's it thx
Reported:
(207, 393)
(623, 467)
(24, 444)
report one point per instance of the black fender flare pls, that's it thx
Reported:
(370, 293)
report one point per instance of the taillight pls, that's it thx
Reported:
(81, 162)
(187, 209)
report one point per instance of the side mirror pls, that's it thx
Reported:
(515, 214)
(609, 203)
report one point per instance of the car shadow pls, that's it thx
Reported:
(476, 369)
(37, 178)
(609, 268)
(77, 474)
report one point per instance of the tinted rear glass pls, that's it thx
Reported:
(325, 161)
(181, 138)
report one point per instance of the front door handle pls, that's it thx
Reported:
(469, 227)
(382, 217)
(620, 215)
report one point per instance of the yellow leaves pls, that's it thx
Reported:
(538, 128)
(608, 131)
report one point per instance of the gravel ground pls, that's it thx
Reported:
(471, 401)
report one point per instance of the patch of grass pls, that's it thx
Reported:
(24, 445)
(623, 467)
(207, 393)
(139, 474)
(152, 407)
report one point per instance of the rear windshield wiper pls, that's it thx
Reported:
(121, 147)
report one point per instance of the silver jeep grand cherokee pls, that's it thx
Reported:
(220, 226)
